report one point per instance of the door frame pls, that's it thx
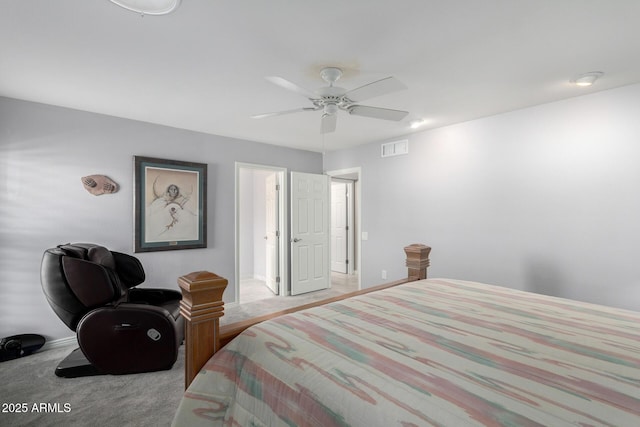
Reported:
(283, 244)
(349, 222)
(354, 174)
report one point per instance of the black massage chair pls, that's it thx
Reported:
(120, 329)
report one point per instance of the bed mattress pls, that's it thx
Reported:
(433, 352)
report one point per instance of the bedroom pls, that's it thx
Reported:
(541, 196)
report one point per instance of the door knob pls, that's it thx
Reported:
(296, 240)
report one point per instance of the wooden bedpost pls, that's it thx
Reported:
(202, 307)
(417, 261)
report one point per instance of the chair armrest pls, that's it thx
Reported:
(129, 338)
(153, 296)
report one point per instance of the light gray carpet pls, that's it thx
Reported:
(258, 306)
(148, 399)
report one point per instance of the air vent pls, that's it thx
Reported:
(395, 148)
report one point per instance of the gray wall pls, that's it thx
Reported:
(545, 199)
(246, 223)
(45, 150)
(259, 223)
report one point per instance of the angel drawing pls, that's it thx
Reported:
(172, 214)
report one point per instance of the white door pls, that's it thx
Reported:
(309, 232)
(272, 233)
(339, 254)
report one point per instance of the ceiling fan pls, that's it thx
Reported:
(330, 99)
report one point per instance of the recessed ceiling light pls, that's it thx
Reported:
(587, 79)
(149, 7)
(415, 124)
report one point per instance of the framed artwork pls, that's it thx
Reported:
(170, 204)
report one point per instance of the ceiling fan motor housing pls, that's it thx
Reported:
(332, 98)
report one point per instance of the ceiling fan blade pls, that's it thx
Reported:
(328, 123)
(377, 88)
(377, 113)
(279, 81)
(280, 113)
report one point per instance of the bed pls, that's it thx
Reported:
(422, 352)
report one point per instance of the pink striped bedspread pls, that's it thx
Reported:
(429, 353)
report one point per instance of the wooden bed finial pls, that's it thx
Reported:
(417, 261)
(202, 307)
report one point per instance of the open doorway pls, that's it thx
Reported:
(345, 228)
(342, 225)
(260, 232)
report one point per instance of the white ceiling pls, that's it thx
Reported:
(203, 67)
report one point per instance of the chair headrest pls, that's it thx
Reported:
(101, 255)
(90, 252)
(128, 268)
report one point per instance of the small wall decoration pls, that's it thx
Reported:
(99, 184)
(170, 203)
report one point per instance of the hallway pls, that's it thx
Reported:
(256, 299)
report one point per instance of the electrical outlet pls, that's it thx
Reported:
(384, 274)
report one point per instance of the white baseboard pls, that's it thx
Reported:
(62, 342)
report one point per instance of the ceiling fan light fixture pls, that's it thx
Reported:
(587, 79)
(149, 7)
(330, 109)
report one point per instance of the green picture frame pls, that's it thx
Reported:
(170, 204)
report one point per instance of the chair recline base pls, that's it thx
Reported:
(76, 365)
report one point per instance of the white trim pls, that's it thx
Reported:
(62, 342)
(351, 189)
(358, 213)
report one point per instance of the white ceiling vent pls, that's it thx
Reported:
(395, 148)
